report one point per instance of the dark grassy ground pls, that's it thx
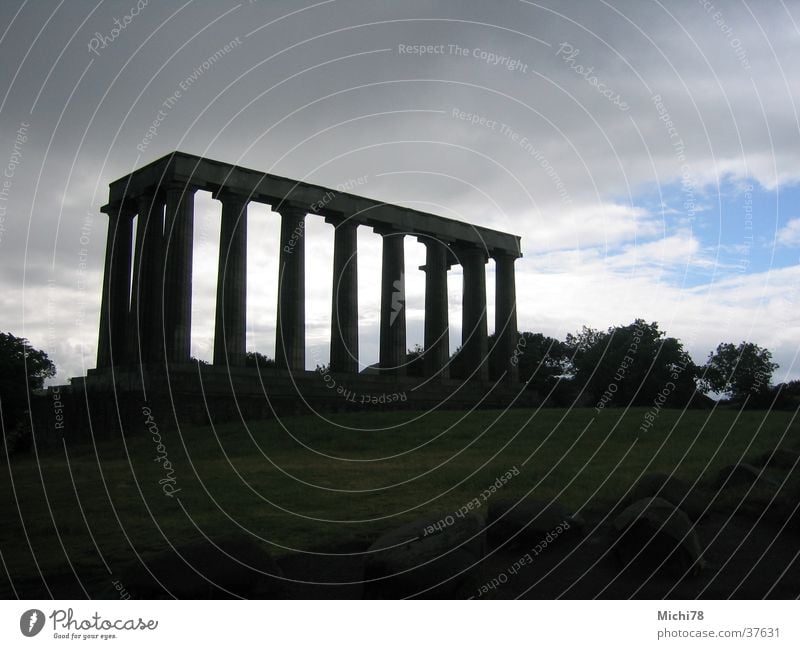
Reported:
(309, 484)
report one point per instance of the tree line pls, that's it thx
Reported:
(636, 364)
(630, 365)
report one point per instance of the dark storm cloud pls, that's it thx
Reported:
(511, 118)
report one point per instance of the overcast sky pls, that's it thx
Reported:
(647, 153)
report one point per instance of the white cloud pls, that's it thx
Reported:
(679, 250)
(789, 234)
(586, 226)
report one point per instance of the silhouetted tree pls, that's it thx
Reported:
(584, 339)
(631, 365)
(540, 360)
(740, 371)
(786, 395)
(414, 362)
(456, 366)
(22, 368)
(257, 359)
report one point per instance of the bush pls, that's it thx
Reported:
(20, 438)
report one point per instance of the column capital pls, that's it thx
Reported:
(342, 221)
(466, 251)
(174, 184)
(295, 210)
(148, 199)
(126, 209)
(388, 230)
(499, 255)
(225, 195)
(128, 201)
(436, 251)
(431, 240)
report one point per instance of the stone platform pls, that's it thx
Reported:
(106, 402)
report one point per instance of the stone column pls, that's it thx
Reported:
(178, 247)
(393, 304)
(437, 336)
(290, 342)
(344, 308)
(474, 332)
(146, 296)
(505, 316)
(230, 329)
(114, 305)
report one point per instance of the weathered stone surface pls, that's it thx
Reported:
(654, 536)
(529, 522)
(782, 458)
(778, 508)
(429, 557)
(237, 567)
(741, 474)
(674, 490)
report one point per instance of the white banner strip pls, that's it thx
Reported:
(403, 624)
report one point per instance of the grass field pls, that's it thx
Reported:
(313, 484)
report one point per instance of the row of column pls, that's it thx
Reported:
(146, 315)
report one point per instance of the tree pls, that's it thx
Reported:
(456, 366)
(635, 364)
(22, 369)
(540, 360)
(584, 340)
(785, 395)
(740, 371)
(257, 359)
(415, 361)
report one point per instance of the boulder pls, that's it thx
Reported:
(529, 522)
(674, 490)
(654, 536)
(429, 557)
(781, 458)
(741, 474)
(778, 508)
(237, 567)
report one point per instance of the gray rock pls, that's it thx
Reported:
(653, 536)
(429, 557)
(778, 508)
(674, 490)
(741, 474)
(781, 458)
(529, 522)
(237, 567)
